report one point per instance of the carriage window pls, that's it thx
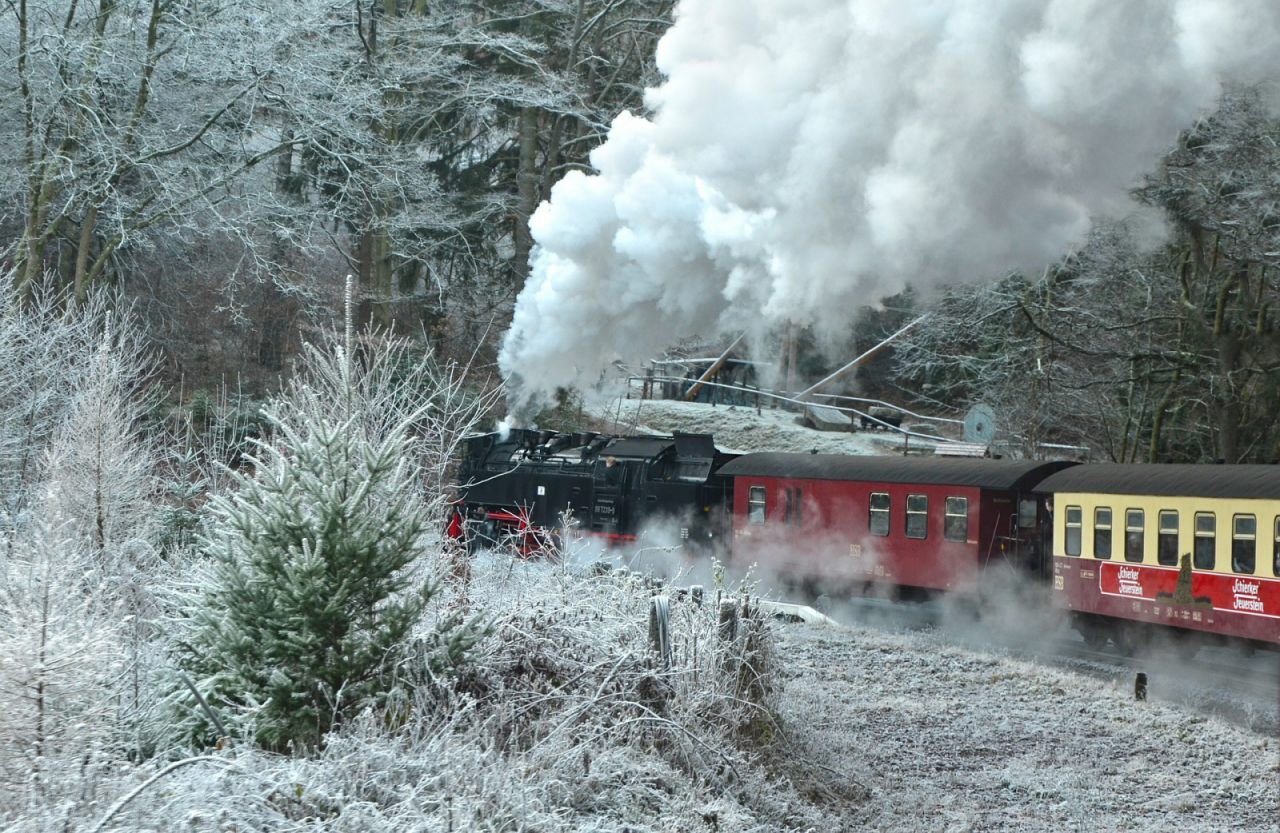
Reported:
(879, 513)
(1134, 523)
(955, 524)
(917, 516)
(1167, 542)
(1244, 543)
(1205, 554)
(1275, 558)
(793, 506)
(1072, 543)
(755, 505)
(787, 506)
(1102, 532)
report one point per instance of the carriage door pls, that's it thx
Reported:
(1035, 531)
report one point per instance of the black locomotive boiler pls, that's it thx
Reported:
(523, 485)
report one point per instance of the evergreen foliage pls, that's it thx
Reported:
(315, 589)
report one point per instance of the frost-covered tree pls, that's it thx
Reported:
(1075, 355)
(605, 52)
(1218, 188)
(76, 562)
(246, 156)
(314, 582)
(61, 657)
(124, 118)
(400, 124)
(383, 384)
(100, 483)
(45, 353)
(1142, 353)
(100, 467)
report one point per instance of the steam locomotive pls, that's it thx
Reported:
(528, 488)
(1126, 550)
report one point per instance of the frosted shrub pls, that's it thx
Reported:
(314, 583)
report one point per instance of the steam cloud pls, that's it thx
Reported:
(809, 157)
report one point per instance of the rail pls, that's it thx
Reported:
(898, 408)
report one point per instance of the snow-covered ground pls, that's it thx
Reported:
(945, 738)
(927, 735)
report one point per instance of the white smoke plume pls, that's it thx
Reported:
(808, 157)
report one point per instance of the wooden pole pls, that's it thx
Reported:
(728, 625)
(712, 371)
(859, 361)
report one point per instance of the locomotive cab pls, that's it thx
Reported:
(613, 483)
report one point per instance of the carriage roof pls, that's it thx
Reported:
(984, 474)
(1168, 480)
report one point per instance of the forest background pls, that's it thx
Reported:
(224, 166)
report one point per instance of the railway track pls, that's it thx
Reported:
(1218, 680)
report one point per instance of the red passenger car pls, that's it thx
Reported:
(915, 522)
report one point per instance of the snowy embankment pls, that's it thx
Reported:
(562, 719)
(945, 738)
(738, 428)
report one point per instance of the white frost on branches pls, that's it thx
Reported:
(100, 468)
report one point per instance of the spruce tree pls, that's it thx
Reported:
(314, 591)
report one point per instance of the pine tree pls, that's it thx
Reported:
(314, 590)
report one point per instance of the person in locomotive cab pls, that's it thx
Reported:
(612, 471)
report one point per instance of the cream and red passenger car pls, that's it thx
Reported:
(1190, 547)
